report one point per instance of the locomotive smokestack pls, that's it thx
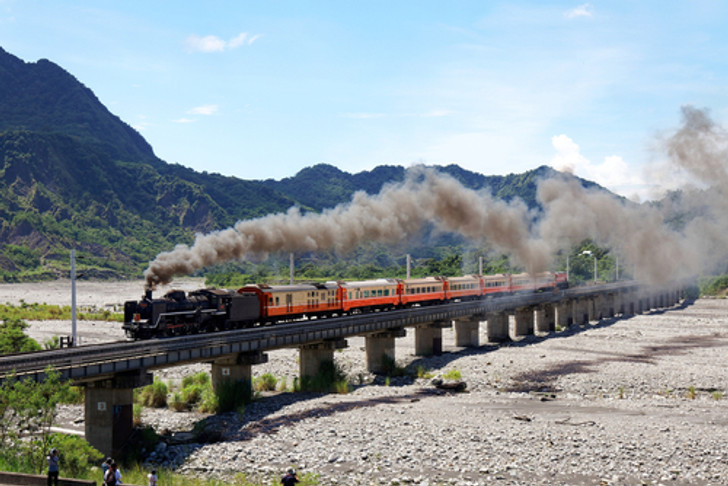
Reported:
(148, 294)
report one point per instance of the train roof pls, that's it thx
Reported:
(463, 277)
(369, 283)
(411, 281)
(312, 287)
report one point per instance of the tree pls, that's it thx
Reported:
(27, 412)
(12, 338)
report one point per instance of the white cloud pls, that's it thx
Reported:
(242, 39)
(584, 10)
(613, 173)
(184, 120)
(203, 110)
(213, 43)
(209, 43)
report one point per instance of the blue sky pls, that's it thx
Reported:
(263, 89)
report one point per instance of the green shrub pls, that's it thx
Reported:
(201, 378)
(265, 382)
(452, 375)
(208, 401)
(154, 395)
(177, 404)
(232, 395)
(13, 339)
(192, 394)
(326, 380)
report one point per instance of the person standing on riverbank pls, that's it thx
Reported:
(53, 459)
(290, 479)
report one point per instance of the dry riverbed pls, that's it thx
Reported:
(619, 402)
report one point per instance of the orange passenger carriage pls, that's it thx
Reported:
(382, 293)
(494, 285)
(292, 301)
(464, 288)
(428, 290)
(524, 282)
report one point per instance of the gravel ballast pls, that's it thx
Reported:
(622, 401)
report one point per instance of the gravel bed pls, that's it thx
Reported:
(619, 402)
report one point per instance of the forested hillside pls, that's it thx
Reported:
(74, 175)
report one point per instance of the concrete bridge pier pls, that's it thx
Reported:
(497, 327)
(467, 332)
(580, 312)
(380, 349)
(314, 356)
(564, 317)
(545, 319)
(428, 338)
(592, 309)
(523, 323)
(646, 303)
(109, 411)
(236, 368)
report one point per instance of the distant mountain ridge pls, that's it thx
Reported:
(74, 175)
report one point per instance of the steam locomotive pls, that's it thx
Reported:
(208, 310)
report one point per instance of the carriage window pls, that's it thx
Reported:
(386, 292)
(277, 301)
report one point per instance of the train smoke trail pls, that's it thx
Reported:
(396, 213)
(638, 233)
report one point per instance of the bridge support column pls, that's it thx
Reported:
(634, 304)
(314, 356)
(580, 312)
(236, 368)
(109, 411)
(592, 309)
(545, 319)
(523, 322)
(428, 338)
(380, 349)
(497, 327)
(564, 316)
(646, 303)
(467, 332)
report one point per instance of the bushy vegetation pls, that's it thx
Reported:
(154, 395)
(13, 339)
(265, 382)
(45, 312)
(330, 378)
(27, 412)
(713, 285)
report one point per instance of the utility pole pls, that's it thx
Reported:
(73, 298)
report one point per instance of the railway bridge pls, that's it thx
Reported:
(110, 373)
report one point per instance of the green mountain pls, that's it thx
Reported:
(74, 175)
